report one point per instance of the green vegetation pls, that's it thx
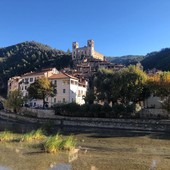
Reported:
(126, 60)
(40, 89)
(56, 143)
(6, 136)
(29, 56)
(51, 144)
(14, 101)
(159, 60)
(33, 135)
(126, 86)
(69, 143)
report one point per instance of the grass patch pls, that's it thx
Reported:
(33, 135)
(56, 143)
(69, 143)
(6, 136)
(53, 144)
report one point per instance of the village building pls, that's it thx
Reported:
(30, 78)
(67, 88)
(14, 83)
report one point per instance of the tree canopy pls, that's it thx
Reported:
(40, 89)
(14, 101)
(126, 85)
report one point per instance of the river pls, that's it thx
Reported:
(97, 149)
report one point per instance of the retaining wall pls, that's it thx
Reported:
(135, 124)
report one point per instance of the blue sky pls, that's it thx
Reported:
(118, 27)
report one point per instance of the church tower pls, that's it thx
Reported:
(75, 45)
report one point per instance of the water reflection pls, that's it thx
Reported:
(4, 168)
(16, 126)
(61, 167)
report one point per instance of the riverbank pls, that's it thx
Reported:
(133, 124)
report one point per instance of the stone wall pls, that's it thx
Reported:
(134, 124)
(39, 113)
(154, 113)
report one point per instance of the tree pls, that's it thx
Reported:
(126, 85)
(14, 101)
(40, 89)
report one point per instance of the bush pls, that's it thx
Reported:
(95, 109)
(119, 110)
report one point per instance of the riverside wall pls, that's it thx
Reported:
(134, 124)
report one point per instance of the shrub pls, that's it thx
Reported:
(106, 108)
(119, 109)
(71, 107)
(95, 109)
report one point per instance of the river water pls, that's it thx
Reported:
(97, 149)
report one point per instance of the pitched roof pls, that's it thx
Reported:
(37, 73)
(62, 76)
(33, 73)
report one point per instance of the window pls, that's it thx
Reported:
(26, 80)
(55, 82)
(31, 79)
(65, 81)
(55, 91)
(64, 90)
(25, 87)
(54, 100)
(64, 100)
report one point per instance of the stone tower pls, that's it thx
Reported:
(75, 45)
(90, 47)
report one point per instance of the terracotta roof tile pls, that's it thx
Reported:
(61, 76)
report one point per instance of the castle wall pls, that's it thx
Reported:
(86, 51)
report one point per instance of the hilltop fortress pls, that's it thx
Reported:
(86, 52)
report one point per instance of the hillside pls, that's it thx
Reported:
(159, 60)
(29, 56)
(126, 60)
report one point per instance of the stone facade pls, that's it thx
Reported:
(80, 53)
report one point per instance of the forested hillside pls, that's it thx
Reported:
(29, 56)
(126, 60)
(159, 60)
